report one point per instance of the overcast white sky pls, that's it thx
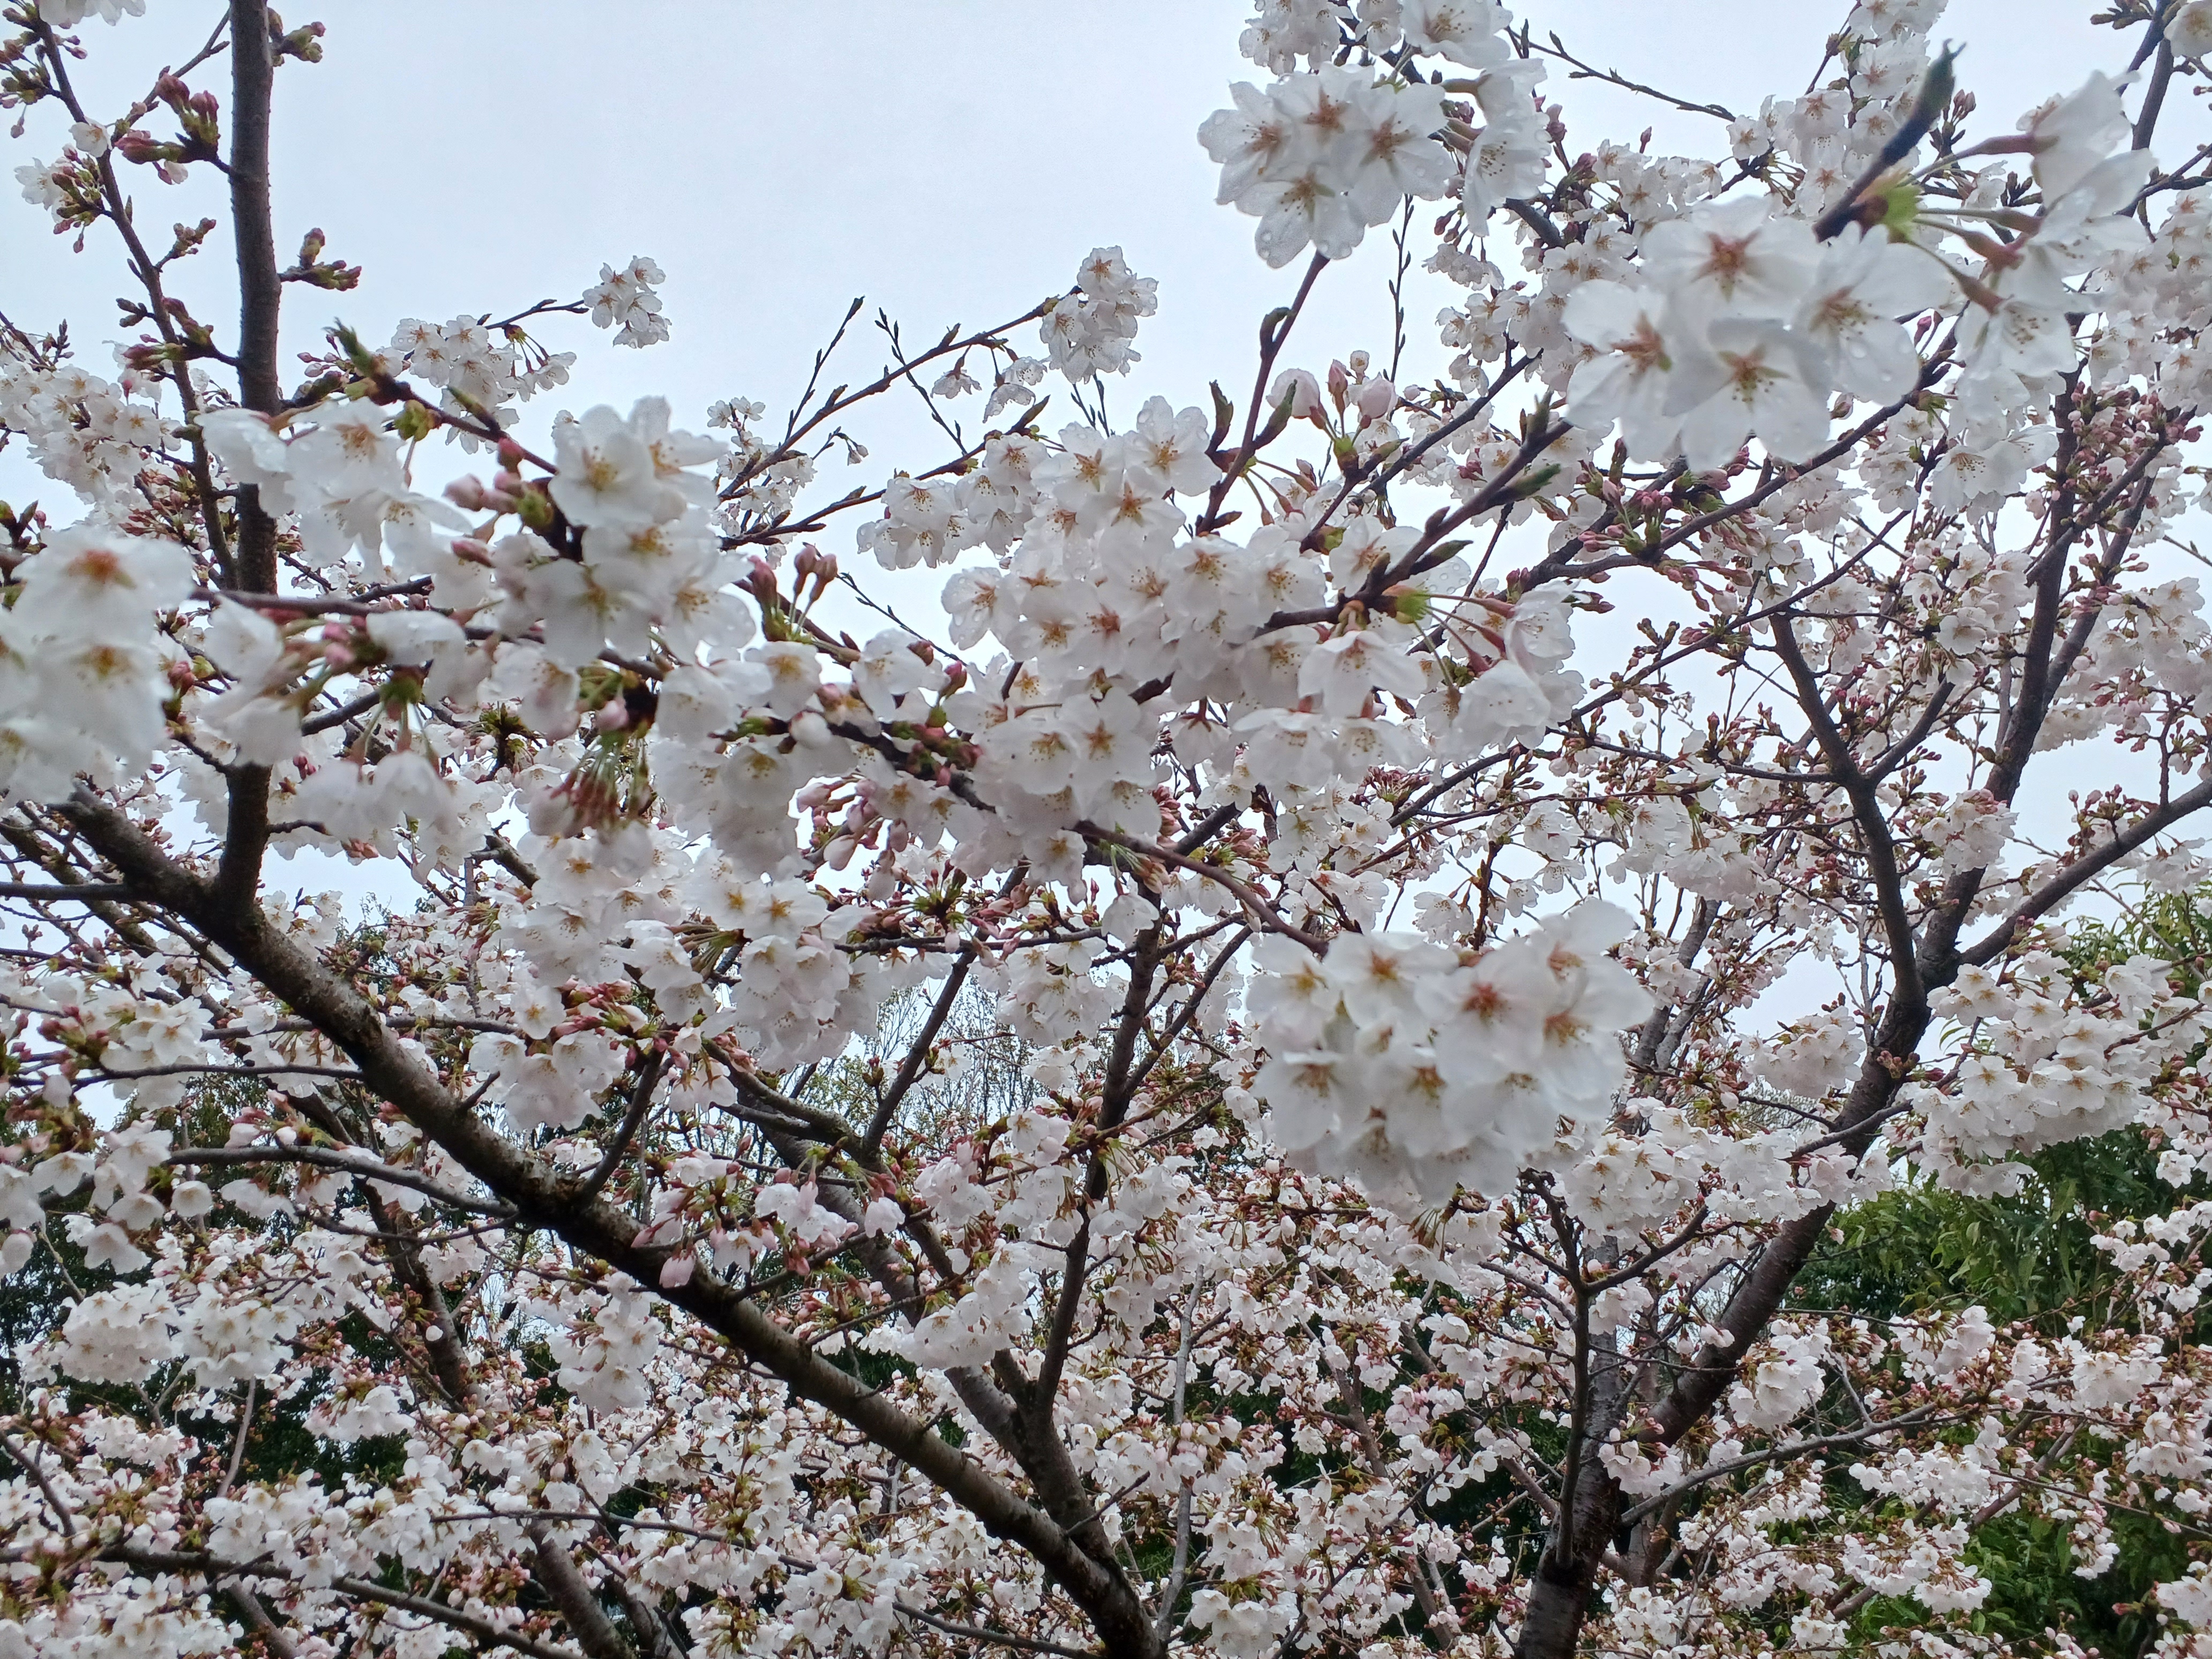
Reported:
(952, 160)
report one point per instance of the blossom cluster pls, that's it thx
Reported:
(1229, 1068)
(1394, 1061)
(627, 301)
(1322, 156)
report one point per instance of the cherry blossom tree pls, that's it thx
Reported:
(1251, 1058)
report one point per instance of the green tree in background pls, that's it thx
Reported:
(2028, 1258)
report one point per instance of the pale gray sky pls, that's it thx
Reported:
(951, 160)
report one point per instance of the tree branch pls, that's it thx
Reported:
(261, 291)
(206, 1567)
(368, 1169)
(917, 1056)
(540, 1195)
(2084, 870)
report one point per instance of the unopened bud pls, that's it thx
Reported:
(305, 43)
(536, 509)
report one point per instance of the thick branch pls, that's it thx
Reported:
(245, 832)
(253, 70)
(556, 1571)
(541, 1197)
(2084, 870)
